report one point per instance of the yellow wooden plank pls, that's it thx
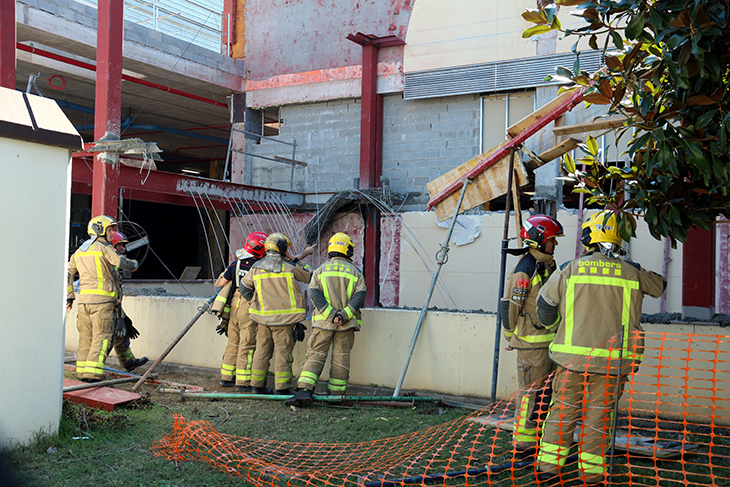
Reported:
(537, 114)
(554, 152)
(604, 124)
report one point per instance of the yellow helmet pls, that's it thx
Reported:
(342, 244)
(278, 242)
(601, 227)
(98, 225)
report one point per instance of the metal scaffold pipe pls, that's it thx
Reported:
(502, 271)
(441, 258)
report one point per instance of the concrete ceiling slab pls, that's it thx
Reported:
(193, 70)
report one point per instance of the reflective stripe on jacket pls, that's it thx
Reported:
(597, 298)
(271, 287)
(337, 285)
(95, 267)
(524, 284)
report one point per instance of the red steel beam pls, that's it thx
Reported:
(131, 79)
(568, 104)
(8, 39)
(178, 189)
(108, 103)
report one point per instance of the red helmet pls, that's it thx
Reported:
(538, 229)
(119, 237)
(255, 244)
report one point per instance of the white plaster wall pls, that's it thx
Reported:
(471, 274)
(35, 179)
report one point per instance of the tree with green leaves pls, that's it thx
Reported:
(667, 71)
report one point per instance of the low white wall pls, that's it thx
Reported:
(454, 355)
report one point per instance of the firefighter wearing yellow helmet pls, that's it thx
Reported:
(593, 305)
(337, 292)
(95, 262)
(276, 303)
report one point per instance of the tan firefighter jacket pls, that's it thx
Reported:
(271, 287)
(228, 296)
(337, 285)
(595, 298)
(95, 267)
(519, 308)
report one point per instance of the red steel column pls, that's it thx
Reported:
(371, 168)
(8, 36)
(371, 154)
(698, 274)
(370, 157)
(108, 104)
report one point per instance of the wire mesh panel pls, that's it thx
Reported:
(671, 429)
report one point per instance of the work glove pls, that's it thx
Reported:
(132, 332)
(339, 318)
(222, 328)
(120, 327)
(298, 332)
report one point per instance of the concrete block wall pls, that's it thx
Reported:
(422, 140)
(328, 140)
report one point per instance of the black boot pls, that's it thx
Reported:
(262, 390)
(283, 392)
(227, 383)
(244, 389)
(303, 397)
(134, 363)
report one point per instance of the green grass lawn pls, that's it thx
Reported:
(94, 448)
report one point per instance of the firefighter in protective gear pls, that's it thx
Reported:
(240, 329)
(337, 292)
(95, 263)
(276, 303)
(593, 305)
(124, 332)
(518, 314)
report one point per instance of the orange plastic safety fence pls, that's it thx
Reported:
(672, 428)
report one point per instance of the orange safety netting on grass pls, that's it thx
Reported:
(673, 428)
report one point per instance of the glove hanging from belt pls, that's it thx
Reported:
(298, 332)
(222, 328)
(120, 326)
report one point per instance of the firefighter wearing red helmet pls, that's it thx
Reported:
(232, 308)
(124, 330)
(519, 317)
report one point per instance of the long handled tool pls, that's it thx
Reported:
(177, 339)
